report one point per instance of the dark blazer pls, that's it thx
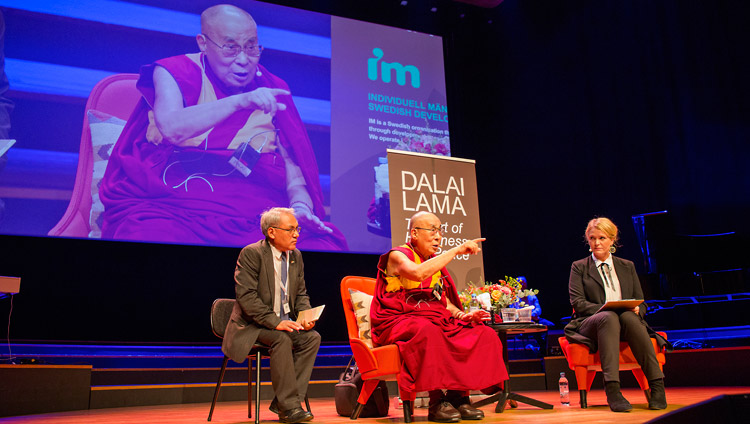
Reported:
(255, 289)
(586, 290)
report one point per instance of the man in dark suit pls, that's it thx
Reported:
(270, 289)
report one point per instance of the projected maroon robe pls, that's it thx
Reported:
(438, 351)
(155, 191)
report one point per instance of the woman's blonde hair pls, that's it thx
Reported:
(606, 226)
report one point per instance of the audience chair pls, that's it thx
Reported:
(221, 312)
(585, 365)
(376, 363)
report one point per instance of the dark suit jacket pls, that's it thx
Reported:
(586, 290)
(255, 288)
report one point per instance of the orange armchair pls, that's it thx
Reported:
(585, 365)
(115, 95)
(375, 364)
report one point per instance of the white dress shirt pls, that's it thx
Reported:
(613, 292)
(276, 253)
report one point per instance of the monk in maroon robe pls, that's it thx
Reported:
(215, 141)
(442, 347)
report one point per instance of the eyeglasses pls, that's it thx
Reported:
(290, 230)
(233, 50)
(433, 230)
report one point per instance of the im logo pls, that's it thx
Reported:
(386, 70)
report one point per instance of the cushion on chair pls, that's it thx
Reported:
(361, 302)
(105, 130)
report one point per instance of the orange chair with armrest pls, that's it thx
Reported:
(585, 364)
(377, 363)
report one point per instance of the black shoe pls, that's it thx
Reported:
(658, 398)
(274, 406)
(295, 415)
(443, 412)
(615, 399)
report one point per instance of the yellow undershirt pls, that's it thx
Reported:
(396, 283)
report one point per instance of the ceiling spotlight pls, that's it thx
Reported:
(404, 2)
(433, 10)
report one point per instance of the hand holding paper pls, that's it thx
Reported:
(310, 315)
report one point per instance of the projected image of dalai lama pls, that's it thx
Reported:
(215, 140)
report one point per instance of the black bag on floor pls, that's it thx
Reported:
(347, 391)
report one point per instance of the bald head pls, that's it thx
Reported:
(419, 218)
(223, 14)
(226, 32)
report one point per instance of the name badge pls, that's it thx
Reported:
(286, 308)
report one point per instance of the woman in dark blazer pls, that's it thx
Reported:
(599, 278)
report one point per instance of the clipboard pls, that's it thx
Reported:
(310, 314)
(615, 305)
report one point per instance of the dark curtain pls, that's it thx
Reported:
(582, 108)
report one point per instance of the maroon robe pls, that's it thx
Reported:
(209, 207)
(437, 350)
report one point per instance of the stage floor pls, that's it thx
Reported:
(325, 411)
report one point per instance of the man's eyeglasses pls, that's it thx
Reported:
(433, 230)
(233, 50)
(290, 230)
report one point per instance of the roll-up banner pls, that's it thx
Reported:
(447, 187)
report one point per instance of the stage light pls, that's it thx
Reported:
(404, 2)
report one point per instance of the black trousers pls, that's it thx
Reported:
(292, 360)
(608, 328)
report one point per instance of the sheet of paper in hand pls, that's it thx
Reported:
(5, 144)
(616, 305)
(310, 315)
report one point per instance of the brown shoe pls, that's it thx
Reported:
(469, 413)
(443, 412)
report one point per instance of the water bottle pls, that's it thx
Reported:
(474, 304)
(564, 395)
(398, 403)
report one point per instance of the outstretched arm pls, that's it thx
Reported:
(399, 264)
(178, 123)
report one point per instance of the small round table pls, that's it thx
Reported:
(503, 330)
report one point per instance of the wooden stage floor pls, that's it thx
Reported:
(325, 411)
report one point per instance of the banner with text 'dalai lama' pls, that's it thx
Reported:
(447, 187)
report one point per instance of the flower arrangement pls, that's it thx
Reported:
(507, 293)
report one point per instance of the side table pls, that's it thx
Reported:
(502, 398)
